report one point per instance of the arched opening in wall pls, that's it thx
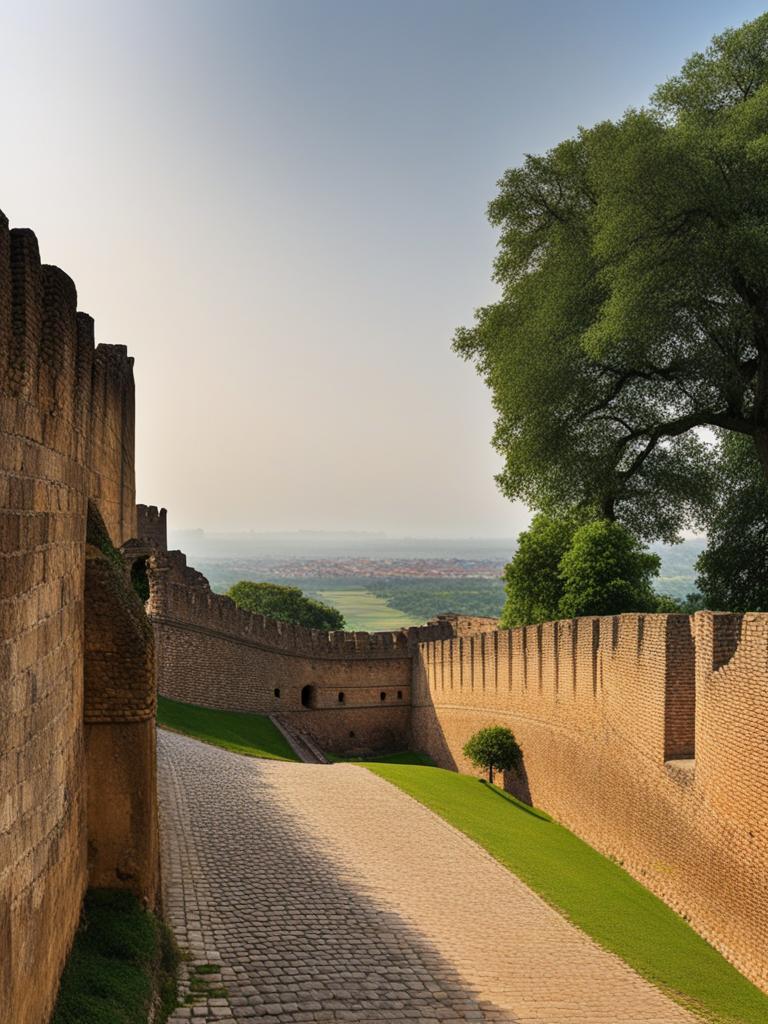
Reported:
(399, 694)
(277, 691)
(140, 579)
(341, 696)
(382, 695)
(307, 696)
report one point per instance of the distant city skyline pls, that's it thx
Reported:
(279, 207)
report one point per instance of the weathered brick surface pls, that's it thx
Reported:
(647, 735)
(120, 704)
(66, 434)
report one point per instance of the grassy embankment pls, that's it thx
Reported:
(121, 957)
(241, 733)
(590, 890)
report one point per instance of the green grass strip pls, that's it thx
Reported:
(120, 955)
(400, 757)
(590, 890)
(254, 735)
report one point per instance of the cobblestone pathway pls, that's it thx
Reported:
(322, 893)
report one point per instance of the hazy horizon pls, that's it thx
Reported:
(279, 207)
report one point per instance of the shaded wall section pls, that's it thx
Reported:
(646, 735)
(120, 705)
(66, 433)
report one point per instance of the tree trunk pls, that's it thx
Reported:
(490, 773)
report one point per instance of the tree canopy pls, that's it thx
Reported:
(733, 571)
(494, 747)
(532, 578)
(605, 571)
(287, 604)
(633, 265)
(563, 569)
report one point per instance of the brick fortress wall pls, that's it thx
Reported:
(646, 735)
(66, 435)
(210, 652)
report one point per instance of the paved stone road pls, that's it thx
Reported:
(323, 893)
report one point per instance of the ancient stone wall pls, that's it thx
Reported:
(120, 736)
(151, 527)
(645, 734)
(66, 434)
(350, 691)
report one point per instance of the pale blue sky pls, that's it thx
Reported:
(280, 208)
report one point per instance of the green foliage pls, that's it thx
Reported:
(605, 572)
(140, 579)
(96, 533)
(121, 954)
(665, 603)
(694, 602)
(597, 895)
(493, 747)
(562, 570)
(399, 757)
(733, 570)
(423, 599)
(287, 604)
(242, 733)
(633, 263)
(532, 579)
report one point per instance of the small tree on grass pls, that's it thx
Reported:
(494, 747)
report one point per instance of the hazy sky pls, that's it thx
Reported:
(279, 207)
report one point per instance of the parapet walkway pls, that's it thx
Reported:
(323, 893)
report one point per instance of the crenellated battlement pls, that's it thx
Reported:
(645, 734)
(181, 595)
(73, 398)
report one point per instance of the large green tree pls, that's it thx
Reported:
(605, 571)
(733, 570)
(287, 604)
(633, 265)
(563, 569)
(494, 747)
(532, 578)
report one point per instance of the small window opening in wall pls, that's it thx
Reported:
(351, 734)
(382, 696)
(399, 694)
(307, 696)
(341, 696)
(277, 691)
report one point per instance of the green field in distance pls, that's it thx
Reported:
(363, 610)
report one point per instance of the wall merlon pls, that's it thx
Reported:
(26, 312)
(58, 340)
